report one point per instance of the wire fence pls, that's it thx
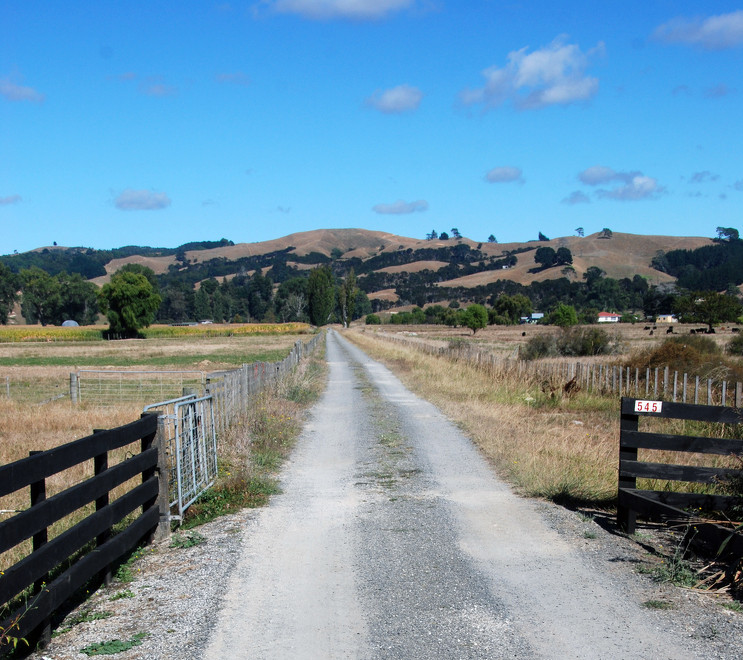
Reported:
(108, 386)
(192, 424)
(592, 376)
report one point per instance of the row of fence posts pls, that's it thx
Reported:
(657, 382)
(231, 390)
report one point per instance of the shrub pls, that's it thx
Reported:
(373, 319)
(579, 341)
(735, 345)
(539, 346)
(570, 342)
(692, 354)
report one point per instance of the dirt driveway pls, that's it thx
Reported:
(393, 539)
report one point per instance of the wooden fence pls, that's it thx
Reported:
(37, 586)
(673, 505)
(591, 375)
(233, 390)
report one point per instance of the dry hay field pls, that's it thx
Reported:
(544, 442)
(33, 374)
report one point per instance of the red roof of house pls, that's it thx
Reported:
(609, 314)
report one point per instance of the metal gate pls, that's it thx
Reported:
(190, 447)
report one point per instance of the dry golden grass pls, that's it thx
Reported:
(565, 448)
(26, 427)
(545, 443)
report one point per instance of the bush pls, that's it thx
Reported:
(735, 345)
(585, 341)
(692, 354)
(373, 319)
(539, 346)
(570, 342)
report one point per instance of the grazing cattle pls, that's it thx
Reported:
(692, 331)
(711, 331)
(655, 327)
(669, 331)
(523, 334)
(734, 329)
(701, 331)
(647, 327)
(651, 333)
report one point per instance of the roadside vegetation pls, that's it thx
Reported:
(550, 442)
(254, 448)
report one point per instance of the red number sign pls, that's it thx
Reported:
(648, 406)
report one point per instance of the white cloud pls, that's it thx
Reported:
(328, 9)
(396, 100)
(637, 188)
(401, 207)
(237, 78)
(576, 197)
(553, 75)
(636, 185)
(141, 200)
(15, 92)
(505, 174)
(11, 199)
(712, 33)
(703, 177)
(598, 174)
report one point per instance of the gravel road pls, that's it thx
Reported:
(393, 539)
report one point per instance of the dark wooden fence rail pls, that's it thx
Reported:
(23, 619)
(672, 505)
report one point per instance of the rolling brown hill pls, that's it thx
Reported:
(622, 255)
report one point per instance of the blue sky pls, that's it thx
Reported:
(157, 123)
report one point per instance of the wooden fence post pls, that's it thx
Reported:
(38, 495)
(163, 497)
(146, 443)
(626, 517)
(100, 465)
(74, 389)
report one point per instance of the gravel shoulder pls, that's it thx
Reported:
(394, 539)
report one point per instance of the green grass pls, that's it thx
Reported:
(119, 595)
(84, 616)
(658, 605)
(114, 360)
(114, 646)
(230, 496)
(735, 607)
(188, 540)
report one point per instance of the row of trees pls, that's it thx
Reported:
(707, 307)
(133, 298)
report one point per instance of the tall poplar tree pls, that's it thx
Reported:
(321, 295)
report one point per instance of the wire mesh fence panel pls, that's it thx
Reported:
(196, 449)
(109, 387)
(190, 445)
(30, 389)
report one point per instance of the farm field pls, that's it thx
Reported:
(38, 414)
(505, 340)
